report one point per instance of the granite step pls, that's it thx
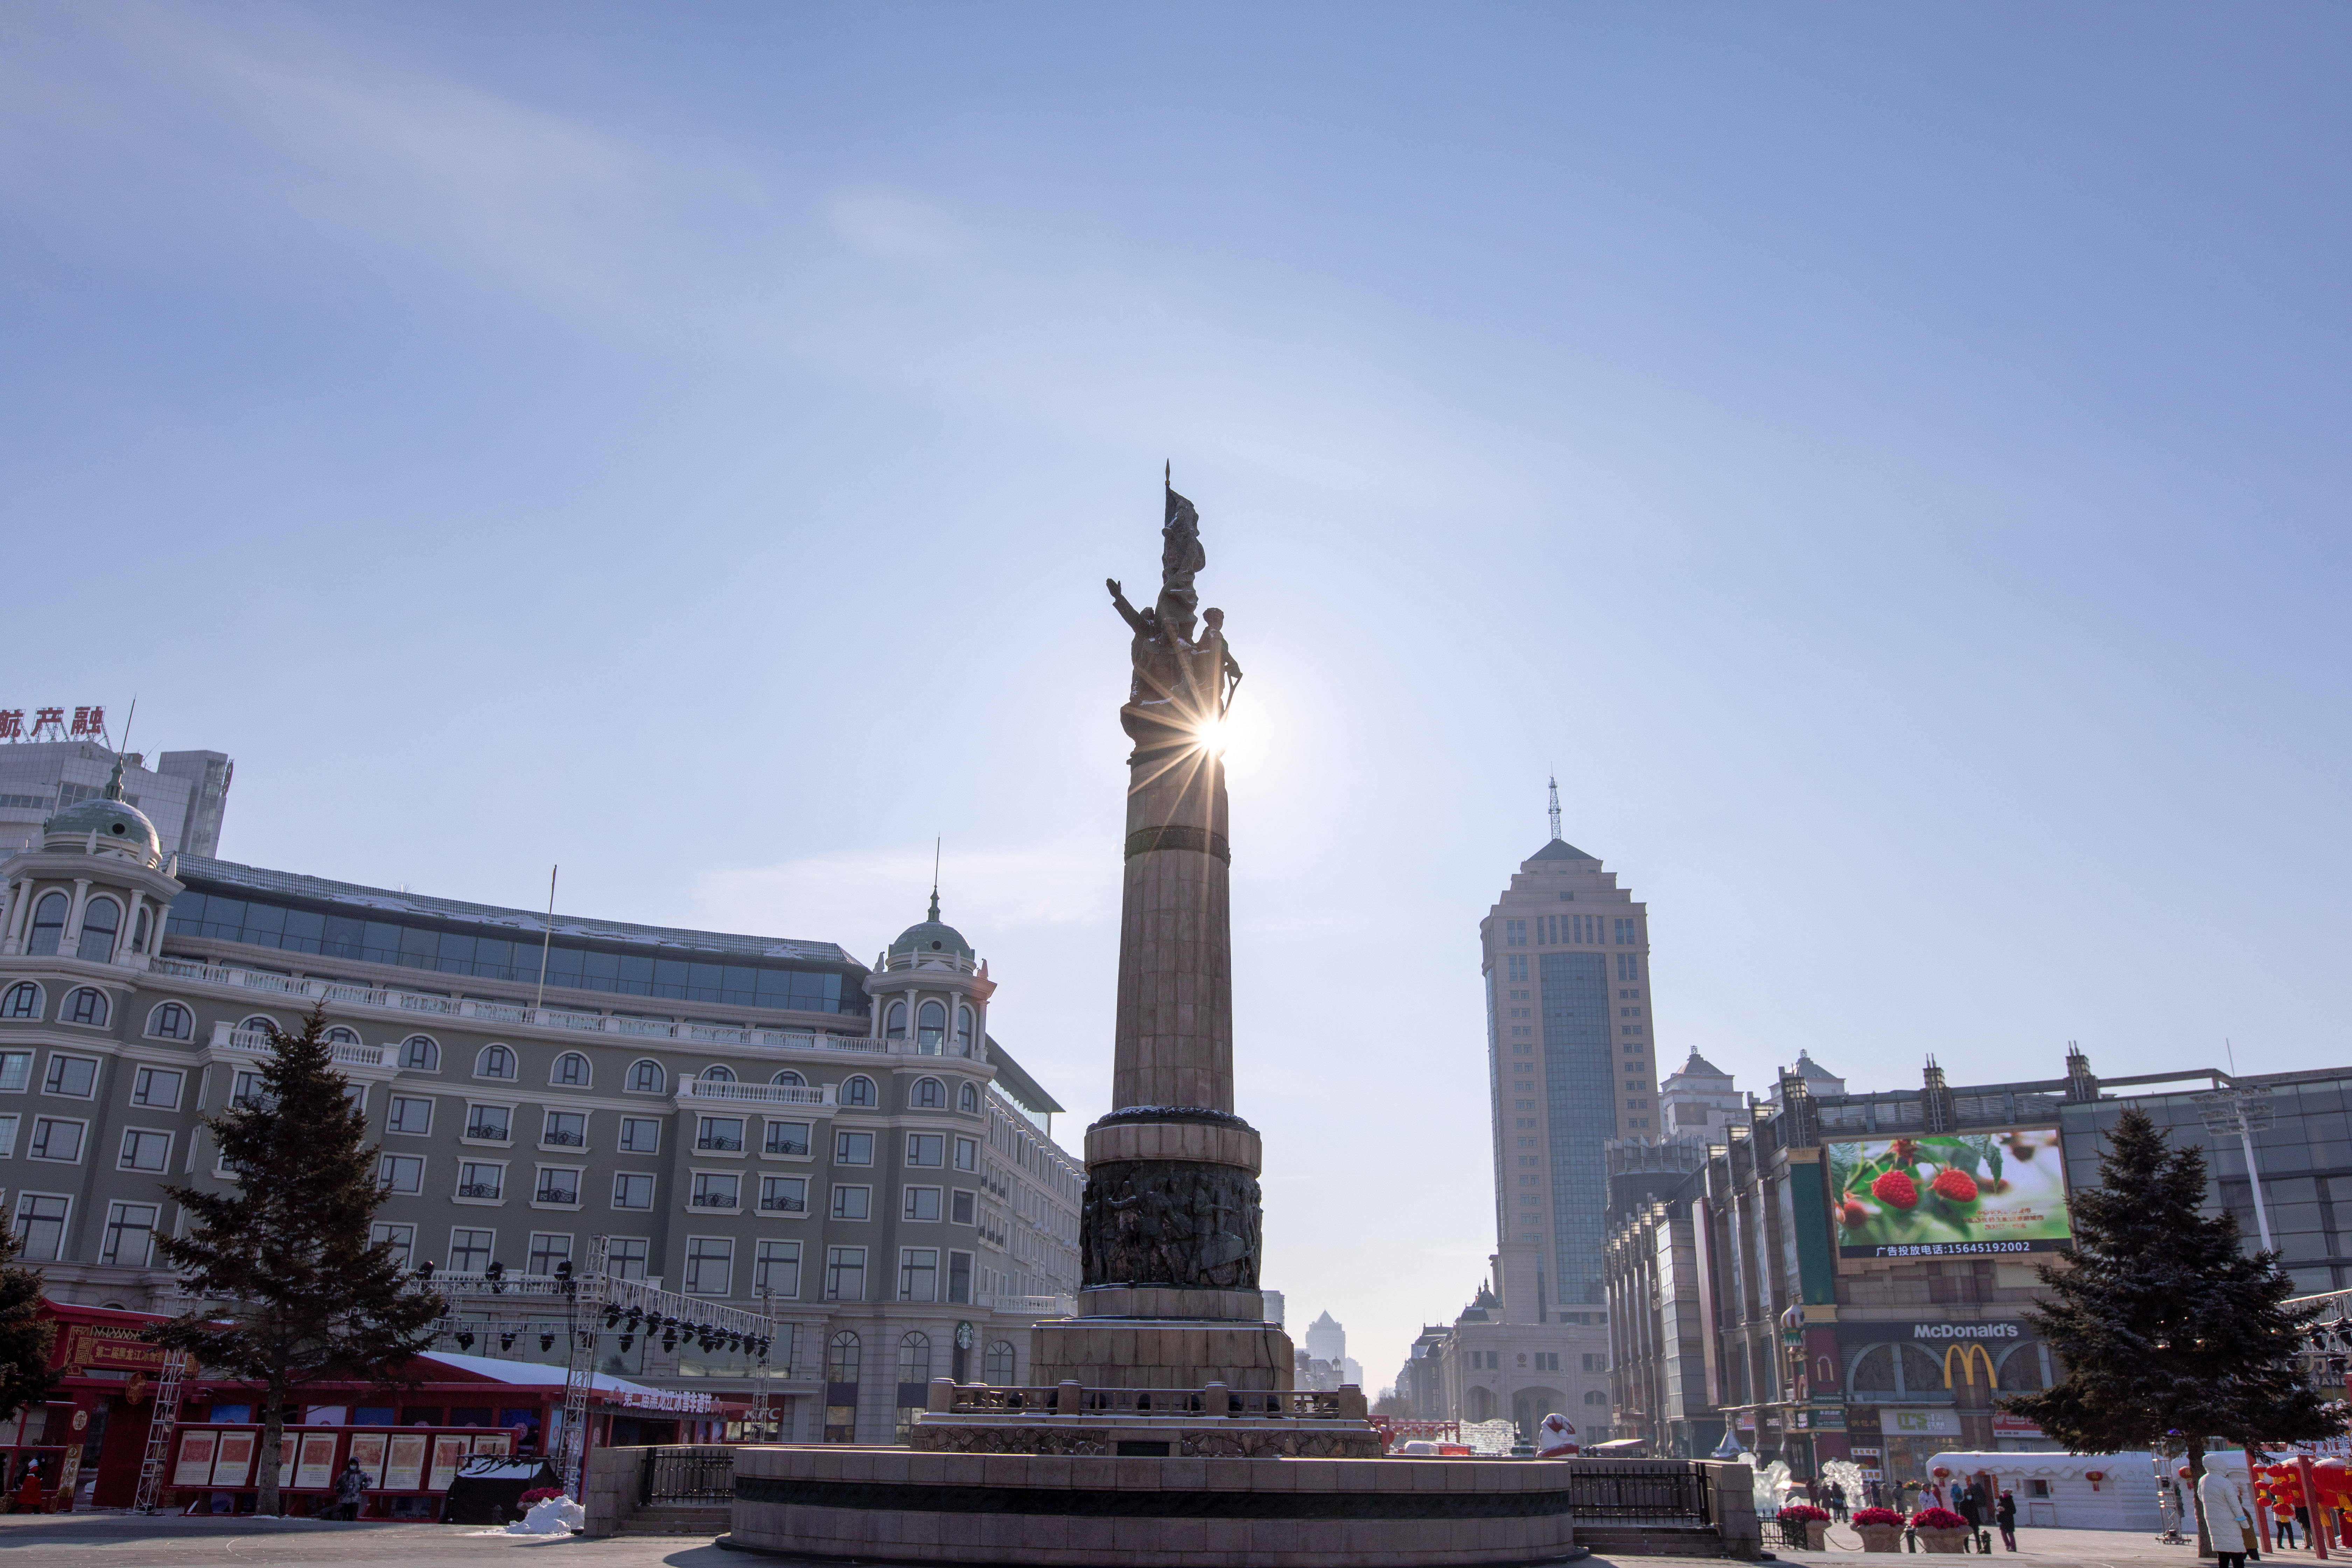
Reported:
(1649, 1539)
(678, 1520)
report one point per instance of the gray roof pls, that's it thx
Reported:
(1561, 849)
(1699, 1066)
(1810, 1068)
(319, 889)
(932, 936)
(114, 822)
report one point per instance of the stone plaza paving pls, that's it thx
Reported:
(123, 1541)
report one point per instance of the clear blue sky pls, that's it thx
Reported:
(1892, 462)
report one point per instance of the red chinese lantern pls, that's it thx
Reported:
(1940, 1473)
(2095, 1478)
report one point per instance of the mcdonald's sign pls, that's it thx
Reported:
(1970, 1354)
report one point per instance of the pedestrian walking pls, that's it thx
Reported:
(1972, 1507)
(2226, 1524)
(2004, 1514)
(351, 1492)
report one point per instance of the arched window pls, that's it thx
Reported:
(23, 1000)
(139, 936)
(841, 1356)
(496, 1061)
(101, 922)
(257, 1024)
(570, 1070)
(1872, 1381)
(1595, 1396)
(857, 1091)
(338, 1036)
(2021, 1369)
(968, 1100)
(419, 1054)
(915, 1357)
(929, 1094)
(48, 924)
(934, 1027)
(87, 1005)
(170, 1021)
(647, 1077)
(896, 1016)
(997, 1365)
(788, 1078)
(1480, 1402)
(718, 1073)
(963, 1030)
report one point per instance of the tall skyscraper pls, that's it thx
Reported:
(1570, 1054)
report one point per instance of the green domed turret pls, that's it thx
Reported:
(933, 935)
(115, 820)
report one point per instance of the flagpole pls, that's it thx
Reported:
(538, 1001)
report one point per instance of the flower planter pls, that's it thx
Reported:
(1817, 1537)
(1944, 1539)
(1881, 1537)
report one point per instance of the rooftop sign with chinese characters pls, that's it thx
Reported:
(51, 724)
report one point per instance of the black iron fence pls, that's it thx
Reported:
(688, 1477)
(1663, 1491)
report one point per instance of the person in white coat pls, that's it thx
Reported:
(2226, 1521)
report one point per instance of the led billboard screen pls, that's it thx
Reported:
(1960, 1194)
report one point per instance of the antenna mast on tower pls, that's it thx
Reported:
(1555, 806)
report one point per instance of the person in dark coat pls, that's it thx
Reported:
(2004, 1513)
(1972, 1506)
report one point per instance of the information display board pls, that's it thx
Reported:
(1961, 1194)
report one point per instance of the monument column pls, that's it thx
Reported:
(1170, 1232)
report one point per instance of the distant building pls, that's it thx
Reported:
(184, 795)
(1698, 1101)
(755, 1121)
(1272, 1307)
(1566, 958)
(1501, 1360)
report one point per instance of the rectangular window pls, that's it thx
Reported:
(75, 1077)
(918, 1274)
(557, 1185)
(402, 1173)
(852, 1148)
(853, 1203)
(402, 1236)
(960, 1277)
(966, 1205)
(719, 1134)
(130, 1235)
(55, 1138)
(714, 1191)
(145, 1151)
(786, 1138)
(625, 1256)
(710, 1265)
(15, 1071)
(640, 1135)
(41, 1226)
(564, 1130)
(1518, 966)
(784, 1195)
(548, 1249)
(481, 1179)
(926, 1149)
(158, 1088)
(1595, 1362)
(7, 1136)
(1515, 933)
(412, 1114)
(632, 1191)
(967, 1154)
(1628, 967)
(776, 1270)
(922, 1204)
(492, 1123)
(844, 1273)
(469, 1250)
(1625, 932)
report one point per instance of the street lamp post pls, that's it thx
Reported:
(2244, 1112)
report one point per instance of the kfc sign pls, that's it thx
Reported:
(49, 724)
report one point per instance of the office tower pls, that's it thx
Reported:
(1570, 1039)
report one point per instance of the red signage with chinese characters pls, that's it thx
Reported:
(51, 724)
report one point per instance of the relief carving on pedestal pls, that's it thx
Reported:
(1176, 1223)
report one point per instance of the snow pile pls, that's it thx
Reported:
(556, 1516)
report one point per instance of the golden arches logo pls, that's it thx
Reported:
(1970, 1354)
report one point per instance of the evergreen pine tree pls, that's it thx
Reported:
(295, 1290)
(2169, 1334)
(26, 1338)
